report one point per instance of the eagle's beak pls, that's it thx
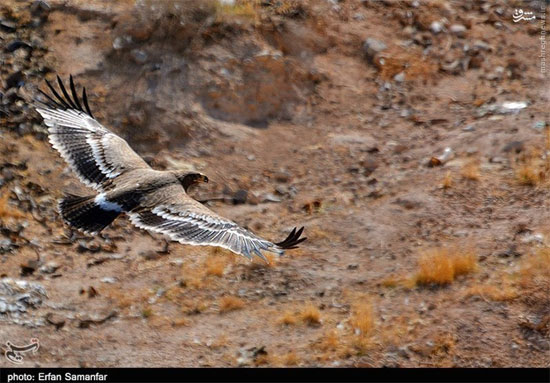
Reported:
(204, 179)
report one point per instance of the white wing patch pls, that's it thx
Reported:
(107, 205)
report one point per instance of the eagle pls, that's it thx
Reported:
(153, 200)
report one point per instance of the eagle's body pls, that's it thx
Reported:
(154, 200)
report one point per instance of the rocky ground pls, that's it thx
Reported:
(410, 138)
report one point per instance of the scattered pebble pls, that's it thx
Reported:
(436, 27)
(371, 47)
(458, 29)
(240, 197)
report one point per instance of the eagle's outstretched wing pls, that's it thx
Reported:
(169, 210)
(94, 153)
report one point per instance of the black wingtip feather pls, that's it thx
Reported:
(64, 91)
(292, 240)
(66, 100)
(73, 92)
(85, 100)
(54, 92)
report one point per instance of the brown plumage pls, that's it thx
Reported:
(154, 200)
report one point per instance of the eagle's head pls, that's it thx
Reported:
(189, 179)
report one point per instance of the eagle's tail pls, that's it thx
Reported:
(89, 214)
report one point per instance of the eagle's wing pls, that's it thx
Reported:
(169, 210)
(94, 153)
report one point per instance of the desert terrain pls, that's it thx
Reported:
(411, 139)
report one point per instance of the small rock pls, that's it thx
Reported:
(177, 262)
(436, 27)
(17, 44)
(49, 268)
(371, 47)
(121, 42)
(40, 8)
(15, 80)
(240, 197)
(150, 255)
(282, 176)
(481, 46)
(458, 29)
(281, 189)
(55, 320)
(108, 280)
(400, 77)
(510, 252)
(6, 245)
(533, 238)
(270, 197)
(497, 160)
(512, 107)
(408, 204)
(539, 125)
(514, 146)
(8, 26)
(139, 56)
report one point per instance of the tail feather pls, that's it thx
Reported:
(85, 214)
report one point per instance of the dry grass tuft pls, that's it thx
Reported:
(362, 318)
(441, 266)
(530, 284)
(288, 318)
(147, 312)
(179, 322)
(395, 60)
(447, 182)
(215, 266)
(532, 169)
(290, 359)
(230, 303)
(7, 211)
(193, 307)
(470, 171)
(330, 341)
(247, 9)
(534, 281)
(493, 293)
(311, 315)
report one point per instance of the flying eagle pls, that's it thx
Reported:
(154, 200)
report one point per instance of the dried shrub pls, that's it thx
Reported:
(288, 318)
(215, 266)
(534, 281)
(362, 318)
(447, 182)
(470, 171)
(290, 359)
(492, 292)
(230, 303)
(532, 169)
(7, 211)
(441, 266)
(247, 9)
(311, 315)
(394, 61)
